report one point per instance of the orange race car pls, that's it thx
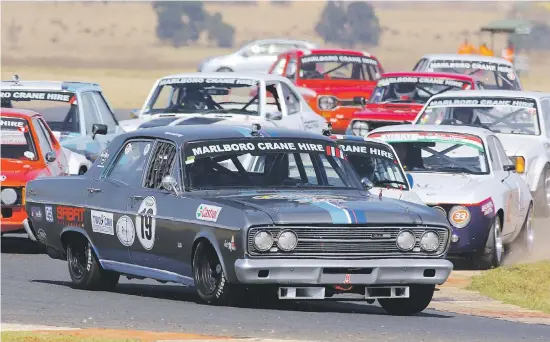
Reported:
(29, 150)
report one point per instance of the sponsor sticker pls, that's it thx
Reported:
(125, 230)
(49, 213)
(128, 149)
(70, 216)
(103, 156)
(216, 81)
(207, 212)
(230, 244)
(483, 102)
(41, 235)
(258, 146)
(303, 198)
(363, 149)
(102, 222)
(339, 59)
(146, 222)
(347, 279)
(420, 80)
(146, 149)
(36, 95)
(36, 213)
(488, 208)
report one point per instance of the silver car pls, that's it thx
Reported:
(256, 56)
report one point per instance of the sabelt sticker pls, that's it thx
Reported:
(488, 208)
(126, 231)
(102, 222)
(207, 212)
(146, 222)
(146, 149)
(128, 149)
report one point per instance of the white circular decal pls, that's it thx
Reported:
(145, 222)
(146, 149)
(128, 149)
(125, 230)
(29, 154)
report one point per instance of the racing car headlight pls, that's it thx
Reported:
(263, 241)
(429, 241)
(406, 240)
(287, 240)
(459, 216)
(327, 102)
(9, 196)
(360, 128)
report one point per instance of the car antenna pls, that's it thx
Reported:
(256, 130)
(328, 130)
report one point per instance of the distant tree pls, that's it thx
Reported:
(349, 24)
(181, 23)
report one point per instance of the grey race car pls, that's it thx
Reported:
(159, 203)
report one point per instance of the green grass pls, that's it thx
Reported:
(526, 285)
(52, 336)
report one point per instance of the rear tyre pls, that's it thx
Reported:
(493, 253)
(542, 194)
(210, 281)
(420, 297)
(84, 269)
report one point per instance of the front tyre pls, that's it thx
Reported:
(420, 297)
(542, 194)
(84, 269)
(526, 238)
(210, 282)
(493, 253)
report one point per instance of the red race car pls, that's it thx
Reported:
(29, 150)
(399, 96)
(333, 81)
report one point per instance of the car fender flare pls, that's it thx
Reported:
(82, 232)
(209, 236)
(533, 175)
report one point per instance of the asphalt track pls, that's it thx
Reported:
(36, 290)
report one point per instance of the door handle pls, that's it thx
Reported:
(92, 190)
(136, 197)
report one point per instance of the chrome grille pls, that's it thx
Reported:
(348, 242)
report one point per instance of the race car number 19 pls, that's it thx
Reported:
(145, 222)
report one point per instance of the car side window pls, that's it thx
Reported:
(420, 65)
(281, 47)
(131, 161)
(46, 131)
(105, 113)
(259, 50)
(91, 116)
(504, 160)
(43, 141)
(545, 108)
(291, 100)
(163, 156)
(279, 66)
(493, 154)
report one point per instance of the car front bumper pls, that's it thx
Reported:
(330, 272)
(13, 219)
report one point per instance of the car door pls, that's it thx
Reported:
(159, 244)
(111, 225)
(512, 191)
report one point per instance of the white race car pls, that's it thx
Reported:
(465, 173)
(521, 120)
(225, 98)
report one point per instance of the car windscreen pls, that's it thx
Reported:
(16, 137)
(375, 161)
(191, 95)
(338, 67)
(487, 75)
(413, 89)
(270, 163)
(438, 151)
(59, 109)
(499, 114)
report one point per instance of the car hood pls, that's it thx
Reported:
(325, 208)
(404, 195)
(435, 188)
(17, 172)
(390, 111)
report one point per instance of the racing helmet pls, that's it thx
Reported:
(194, 99)
(464, 114)
(405, 91)
(363, 165)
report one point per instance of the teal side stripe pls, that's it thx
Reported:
(244, 131)
(338, 215)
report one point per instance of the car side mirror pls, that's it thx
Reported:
(410, 179)
(169, 183)
(360, 100)
(367, 184)
(134, 114)
(510, 167)
(274, 116)
(98, 129)
(50, 157)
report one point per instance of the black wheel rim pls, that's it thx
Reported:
(208, 272)
(78, 255)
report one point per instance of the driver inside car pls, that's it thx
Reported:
(364, 167)
(308, 70)
(405, 91)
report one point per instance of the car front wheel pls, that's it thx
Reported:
(542, 194)
(493, 253)
(420, 297)
(84, 269)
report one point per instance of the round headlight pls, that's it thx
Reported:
(429, 241)
(263, 241)
(9, 196)
(327, 102)
(441, 210)
(459, 216)
(360, 128)
(287, 240)
(406, 240)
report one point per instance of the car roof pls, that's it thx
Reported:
(479, 131)
(243, 75)
(17, 112)
(187, 133)
(461, 57)
(429, 74)
(493, 93)
(48, 85)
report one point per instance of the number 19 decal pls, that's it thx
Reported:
(145, 222)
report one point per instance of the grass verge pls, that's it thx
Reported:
(526, 285)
